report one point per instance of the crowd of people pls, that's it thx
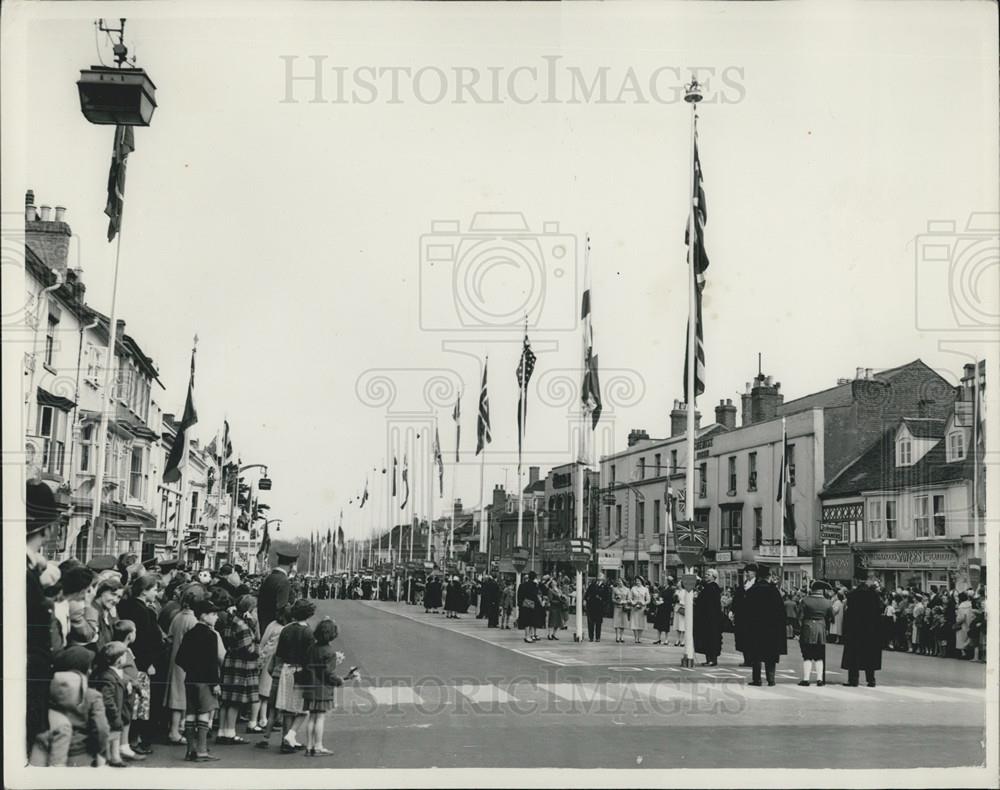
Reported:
(124, 655)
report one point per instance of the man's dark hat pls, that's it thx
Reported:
(41, 507)
(287, 559)
(752, 566)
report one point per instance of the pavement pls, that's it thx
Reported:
(443, 693)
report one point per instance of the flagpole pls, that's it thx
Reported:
(975, 463)
(520, 452)
(783, 508)
(482, 483)
(109, 367)
(693, 97)
(582, 459)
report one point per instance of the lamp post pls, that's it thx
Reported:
(123, 97)
(264, 485)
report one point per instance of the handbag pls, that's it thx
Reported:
(527, 603)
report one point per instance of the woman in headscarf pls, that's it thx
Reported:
(621, 605)
(639, 599)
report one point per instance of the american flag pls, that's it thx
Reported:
(698, 258)
(524, 368)
(483, 425)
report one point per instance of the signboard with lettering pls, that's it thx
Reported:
(157, 537)
(127, 532)
(777, 551)
(911, 558)
(723, 556)
(609, 560)
(831, 532)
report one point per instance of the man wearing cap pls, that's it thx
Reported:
(862, 630)
(275, 590)
(764, 640)
(41, 512)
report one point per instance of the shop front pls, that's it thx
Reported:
(922, 564)
(785, 562)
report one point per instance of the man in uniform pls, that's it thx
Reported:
(597, 604)
(491, 601)
(275, 590)
(708, 619)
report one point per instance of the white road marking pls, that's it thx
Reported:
(484, 693)
(575, 692)
(928, 695)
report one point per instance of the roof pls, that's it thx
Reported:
(842, 394)
(538, 485)
(876, 470)
(925, 427)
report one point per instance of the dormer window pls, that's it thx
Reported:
(956, 446)
(904, 452)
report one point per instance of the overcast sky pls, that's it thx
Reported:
(287, 235)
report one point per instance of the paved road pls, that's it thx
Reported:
(446, 693)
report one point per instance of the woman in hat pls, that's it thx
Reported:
(639, 600)
(200, 655)
(815, 619)
(621, 606)
(529, 608)
(557, 607)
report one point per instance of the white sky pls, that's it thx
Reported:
(287, 236)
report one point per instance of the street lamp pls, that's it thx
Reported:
(120, 95)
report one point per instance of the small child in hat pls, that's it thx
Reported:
(200, 656)
(109, 678)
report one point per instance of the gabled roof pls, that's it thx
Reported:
(924, 427)
(842, 394)
(876, 470)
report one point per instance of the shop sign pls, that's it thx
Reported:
(723, 556)
(839, 567)
(831, 532)
(911, 558)
(127, 532)
(609, 560)
(778, 551)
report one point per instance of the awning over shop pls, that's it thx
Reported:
(46, 398)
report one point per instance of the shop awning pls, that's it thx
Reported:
(46, 398)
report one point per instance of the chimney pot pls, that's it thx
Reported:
(60, 213)
(748, 388)
(868, 373)
(859, 373)
(769, 381)
(46, 213)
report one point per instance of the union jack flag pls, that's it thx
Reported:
(691, 534)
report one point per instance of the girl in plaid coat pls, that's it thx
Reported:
(240, 677)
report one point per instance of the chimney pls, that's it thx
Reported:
(859, 373)
(868, 374)
(678, 420)
(636, 434)
(765, 399)
(48, 238)
(533, 474)
(725, 414)
(745, 400)
(499, 499)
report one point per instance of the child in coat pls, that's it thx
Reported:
(124, 632)
(109, 679)
(200, 656)
(319, 694)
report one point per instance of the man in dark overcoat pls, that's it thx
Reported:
(597, 604)
(862, 632)
(275, 590)
(490, 598)
(708, 619)
(764, 640)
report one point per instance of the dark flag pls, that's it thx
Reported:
(265, 546)
(698, 259)
(178, 452)
(524, 368)
(394, 464)
(340, 532)
(784, 489)
(364, 496)
(439, 461)
(124, 145)
(483, 425)
(590, 389)
(406, 485)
